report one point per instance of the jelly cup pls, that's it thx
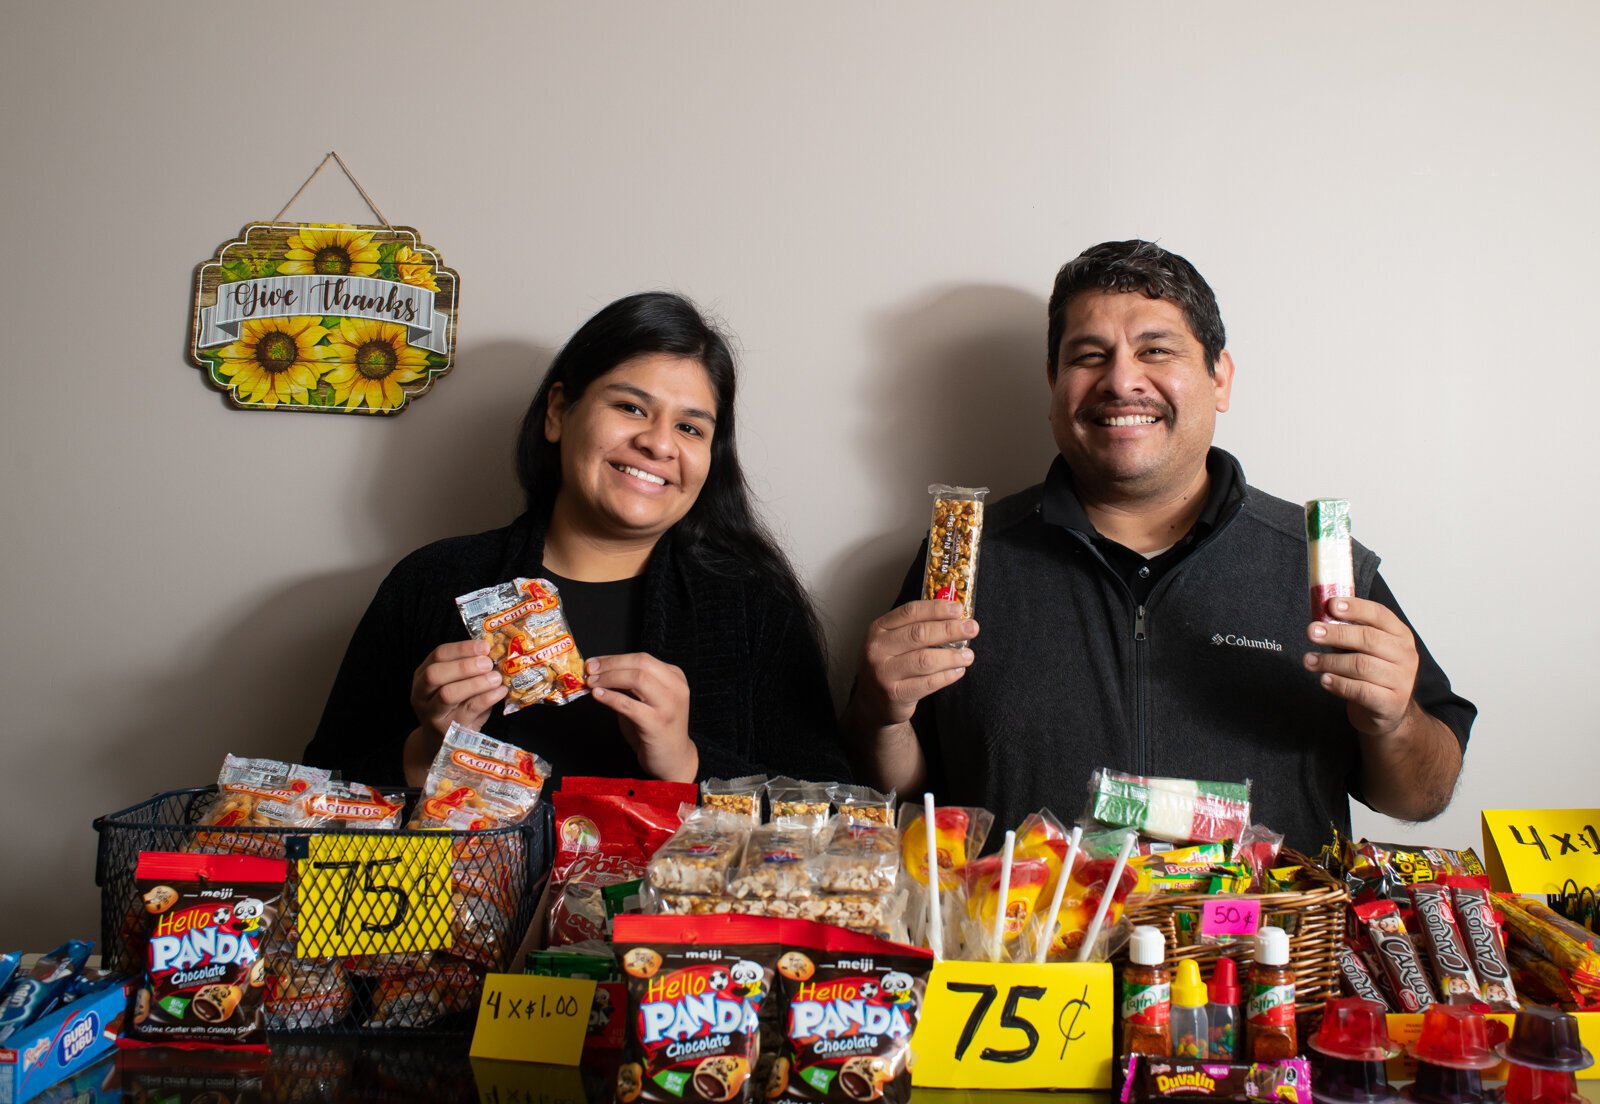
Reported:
(1353, 1029)
(1455, 1036)
(1527, 1085)
(1444, 1085)
(1546, 1039)
(1345, 1081)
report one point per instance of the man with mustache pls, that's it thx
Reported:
(1146, 610)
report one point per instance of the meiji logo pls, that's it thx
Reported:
(1236, 640)
(78, 1038)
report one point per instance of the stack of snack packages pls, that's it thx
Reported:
(828, 852)
(475, 783)
(1423, 930)
(1553, 959)
(56, 979)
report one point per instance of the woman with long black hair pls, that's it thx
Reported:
(703, 655)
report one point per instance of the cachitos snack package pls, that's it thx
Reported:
(528, 639)
(205, 977)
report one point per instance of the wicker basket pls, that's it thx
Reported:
(1314, 918)
(513, 861)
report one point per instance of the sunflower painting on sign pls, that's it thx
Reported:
(337, 319)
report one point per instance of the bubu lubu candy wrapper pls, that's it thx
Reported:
(850, 1006)
(696, 987)
(205, 977)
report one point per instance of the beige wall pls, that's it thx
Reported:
(1396, 206)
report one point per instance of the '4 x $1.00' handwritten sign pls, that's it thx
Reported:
(1537, 850)
(1015, 1026)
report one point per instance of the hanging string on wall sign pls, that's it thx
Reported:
(333, 155)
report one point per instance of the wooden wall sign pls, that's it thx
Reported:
(337, 319)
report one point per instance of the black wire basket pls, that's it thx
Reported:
(495, 878)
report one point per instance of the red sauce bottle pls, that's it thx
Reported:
(1269, 1027)
(1147, 995)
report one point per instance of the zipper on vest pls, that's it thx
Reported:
(1140, 707)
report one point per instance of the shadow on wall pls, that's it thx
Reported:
(958, 396)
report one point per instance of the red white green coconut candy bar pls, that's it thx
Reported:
(1174, 809)
(1328, 559)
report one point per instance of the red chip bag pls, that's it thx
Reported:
(606, 831)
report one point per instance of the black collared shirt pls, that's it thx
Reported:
(1061, 507)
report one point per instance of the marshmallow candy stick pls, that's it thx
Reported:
(1328, 555)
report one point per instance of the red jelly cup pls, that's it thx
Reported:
(1456, 1037)
(1546, 1039)
(1353, 1029)
(1527, 1085)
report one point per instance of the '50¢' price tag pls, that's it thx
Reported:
(374, 894)
(1015, 1026)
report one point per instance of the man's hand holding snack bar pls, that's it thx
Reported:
(908, 655)
(921, 646)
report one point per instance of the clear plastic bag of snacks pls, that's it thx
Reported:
(478, 782)
(529, 641)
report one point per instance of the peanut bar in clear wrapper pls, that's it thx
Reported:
(862, 803)
(789, 798)
(529, 641)
(860, 857)
(735, 795)
(699, 855)
(950, 573)
(1329, 560)
(776, 862)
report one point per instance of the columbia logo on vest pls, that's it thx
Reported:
(1234, 640)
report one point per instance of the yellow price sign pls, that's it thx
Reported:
(530, 1018)
(1015, 1026)
(373, 894)
(1537, 850)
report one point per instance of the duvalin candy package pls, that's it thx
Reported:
(205, 978)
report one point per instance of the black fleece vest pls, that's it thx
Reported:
(1205, 681)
